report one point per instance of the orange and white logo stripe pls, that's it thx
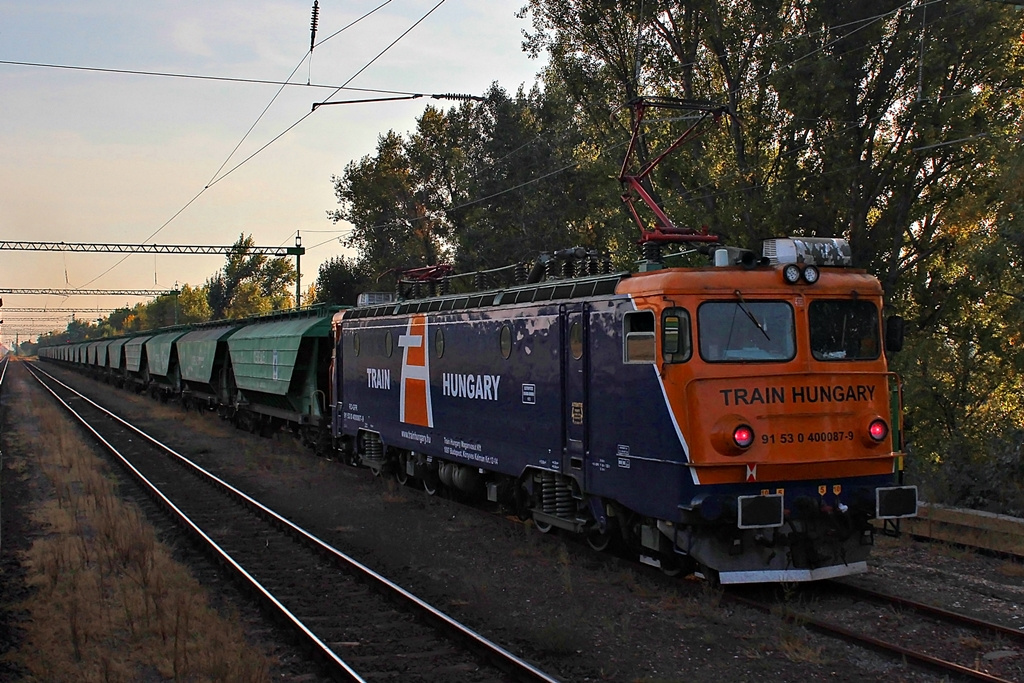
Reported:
(416, 406)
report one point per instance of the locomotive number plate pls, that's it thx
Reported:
(807, 437)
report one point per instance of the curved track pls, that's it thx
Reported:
(922, 634)
(363, 626)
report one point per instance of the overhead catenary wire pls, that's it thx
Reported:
(444, 96)
(859, 23)
(281, 89)
(217, 179)
(310, 113)
(199, 77)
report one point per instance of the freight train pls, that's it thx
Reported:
(738, 420)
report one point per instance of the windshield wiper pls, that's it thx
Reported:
(743, 305)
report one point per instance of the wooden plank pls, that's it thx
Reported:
(999, 533)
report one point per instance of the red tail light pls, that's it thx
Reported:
(878, 430)
(743, 436)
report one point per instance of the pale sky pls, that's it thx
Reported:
(90, 156)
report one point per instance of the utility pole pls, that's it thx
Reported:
(298, 270)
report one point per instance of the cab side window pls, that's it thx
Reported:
(638, 337)
(676, 342)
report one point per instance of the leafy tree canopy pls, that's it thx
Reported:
(250, 283)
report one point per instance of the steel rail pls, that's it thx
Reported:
(523, 669)
(829, 628)
(931, 610)
(321, 647)
(3, 373)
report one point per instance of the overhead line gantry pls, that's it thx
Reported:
(34, 309)
(101, 292)
(120, 248)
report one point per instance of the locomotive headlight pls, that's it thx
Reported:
(743, 436)
(791, 274)
(878, 430)
(811, 274)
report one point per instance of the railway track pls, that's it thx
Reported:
(4, 363)
(358, 623)
(958, 646)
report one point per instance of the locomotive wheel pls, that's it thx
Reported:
(430, 485)
(599, 541)
(401, 473)
(674, 565)
(543, 527)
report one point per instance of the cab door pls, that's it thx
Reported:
(575, 414)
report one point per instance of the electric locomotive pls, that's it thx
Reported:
(737, 419)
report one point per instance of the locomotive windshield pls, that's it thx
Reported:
(844, 329)
(739, 330)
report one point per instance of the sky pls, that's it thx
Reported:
(97, 157)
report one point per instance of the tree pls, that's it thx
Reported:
(116, 320)
(843, 111)
(160, 312)
(532, 184)
(340, 280)
(388, 206)
(250, 283)
(193, 305)
(483, 185)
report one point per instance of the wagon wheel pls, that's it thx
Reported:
(543, 527)
(675, 565)
(401, 473)
(599, 540)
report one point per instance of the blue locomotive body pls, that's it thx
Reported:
(510, 389)
(725, 419)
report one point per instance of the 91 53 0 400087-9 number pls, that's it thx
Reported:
(808, 437)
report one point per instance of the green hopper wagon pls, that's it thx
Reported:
(206, 367)
(281, 369)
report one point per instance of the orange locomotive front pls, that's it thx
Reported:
(777, 378)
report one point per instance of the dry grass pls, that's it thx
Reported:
(794, 644)
(972, 643)
(110, 602)
(1012, 569)
(704, 603)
